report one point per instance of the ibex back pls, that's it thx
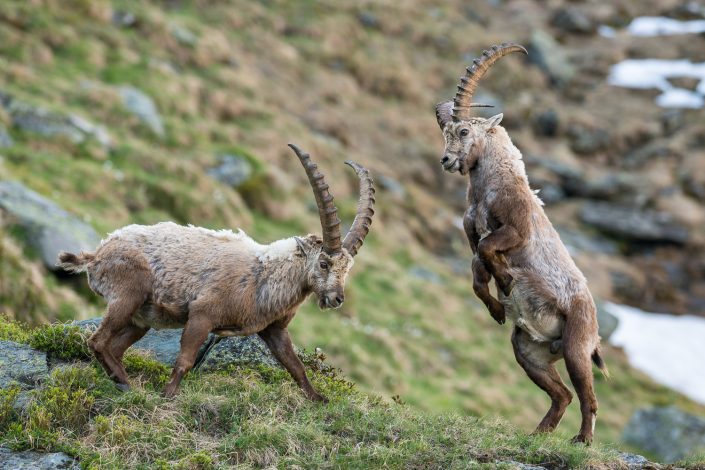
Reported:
(169, 276)
(539, 286)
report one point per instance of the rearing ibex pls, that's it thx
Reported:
(539, 286)
(169, 276)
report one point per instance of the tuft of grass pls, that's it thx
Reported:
(66, 342)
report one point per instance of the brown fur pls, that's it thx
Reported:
(168, 276)
(539, 286)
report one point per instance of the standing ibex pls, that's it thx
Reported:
(539, 285)
(169, 276)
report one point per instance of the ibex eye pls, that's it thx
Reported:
(323, 265)
(464, 132)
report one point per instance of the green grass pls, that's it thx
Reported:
(260, 418)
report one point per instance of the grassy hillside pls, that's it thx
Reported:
(342, 81)
(250, 416)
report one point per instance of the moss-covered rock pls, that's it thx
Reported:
(21, 364)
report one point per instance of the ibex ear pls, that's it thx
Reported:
(304, 246)
(493, 121)
(307, 244)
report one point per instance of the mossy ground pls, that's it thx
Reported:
(254, 417)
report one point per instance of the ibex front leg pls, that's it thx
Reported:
(195, 333)
(481, 277)
(279, 342)
(492, 246)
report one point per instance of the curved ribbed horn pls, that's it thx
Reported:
(330, 223)
(444, 112)
(468, 83)
(363, 219)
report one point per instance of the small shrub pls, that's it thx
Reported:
(154, 372)
(8, 397)
(66, 342)
(11, 330)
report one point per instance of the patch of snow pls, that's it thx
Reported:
(606, 31)
(645, 26)
(654, 73)
(667, 348)
(680, 98)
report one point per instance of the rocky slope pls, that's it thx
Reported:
(113, 112)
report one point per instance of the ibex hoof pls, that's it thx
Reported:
(497, 313)
(123, 387)
(581, 439)
(556, 346)
(317, 397)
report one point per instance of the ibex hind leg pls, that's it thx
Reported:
(102, 342)
(538, 363)
(579, 342)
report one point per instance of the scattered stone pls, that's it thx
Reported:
(239, 350)
(577, 241)
(232, 170)
(21, 364)
(50, 229)
(425, 274)
(31, 460)
(667, 432)
(588, 140)
(688, 10)
(688, 83)
(391, 185)
(38, 120)
(142, 106)
(615, 186)
(635, 461)
(99, 133)
(550, 193)
(672, 120)
(634, 224)
(183, 35)
(546, 123)
(163, 345)
(606, 321)
(573, 20)
(368, 19)
(124, 19)
(640, 156)
(5, 139)
(547, 54)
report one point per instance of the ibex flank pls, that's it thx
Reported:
(170, 276)
(539, 286)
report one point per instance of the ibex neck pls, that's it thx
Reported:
(282, 281)
(500, 166)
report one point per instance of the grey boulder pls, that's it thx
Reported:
(142, 106)
(163, 345)
(634, 224)
(667, 432)
(30, 460)
(49, 228)
(22, 365)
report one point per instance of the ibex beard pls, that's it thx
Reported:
(539, 286)
(171, 276)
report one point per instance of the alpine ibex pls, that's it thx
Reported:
(169, 276)
(538, 285)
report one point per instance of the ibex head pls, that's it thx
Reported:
(465, 135)
(329, 259)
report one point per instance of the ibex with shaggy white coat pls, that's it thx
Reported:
(170, 276)
(539, 286)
